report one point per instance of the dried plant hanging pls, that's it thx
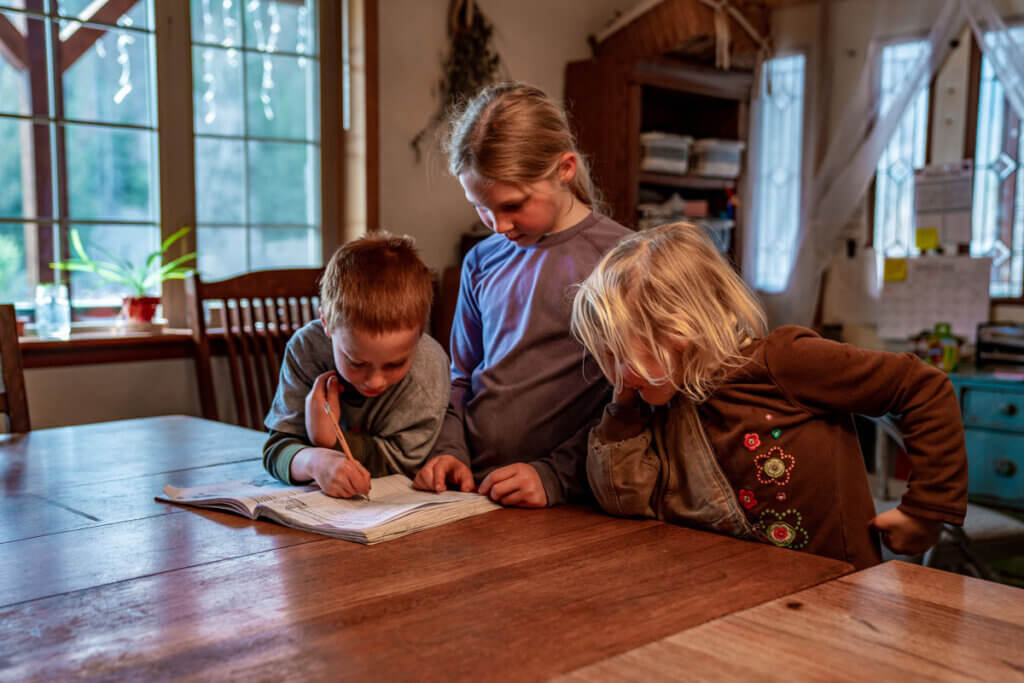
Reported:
(470, 64)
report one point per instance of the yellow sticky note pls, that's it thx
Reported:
(895, 270)
(927, 238)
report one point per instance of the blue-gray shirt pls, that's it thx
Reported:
(521, 391)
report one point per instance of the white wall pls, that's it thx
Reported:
(535, 39)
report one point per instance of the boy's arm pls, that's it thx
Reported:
(279, 450)
(622, 469)
(828, 377)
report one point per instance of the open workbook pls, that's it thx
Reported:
(394, 507)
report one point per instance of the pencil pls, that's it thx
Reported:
(341, 438)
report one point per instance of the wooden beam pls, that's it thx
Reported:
(76, 39)
(673, 23)
(13, 46)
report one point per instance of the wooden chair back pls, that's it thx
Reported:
(252, 315)
(13, 398)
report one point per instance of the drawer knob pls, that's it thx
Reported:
(1009, 409)
(1005, 467)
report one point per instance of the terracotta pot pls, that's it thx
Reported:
(140, 309)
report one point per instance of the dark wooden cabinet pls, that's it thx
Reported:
(611, 102)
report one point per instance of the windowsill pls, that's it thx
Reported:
(105, 344)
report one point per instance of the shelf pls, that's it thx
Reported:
(687, 181)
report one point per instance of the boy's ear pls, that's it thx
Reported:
(567, 167)
(323, 322)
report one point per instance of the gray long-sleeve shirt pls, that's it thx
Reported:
(521, 391)
(390, 433)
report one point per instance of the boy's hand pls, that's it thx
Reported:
(905, 534)
(442, 470)
(336, 474)
(318, 424)
(516, 484)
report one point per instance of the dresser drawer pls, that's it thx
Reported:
(995, 466)
(993, 408)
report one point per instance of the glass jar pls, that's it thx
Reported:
(53, 311)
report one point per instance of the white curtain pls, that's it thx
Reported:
(837, 188)
(1004, 54)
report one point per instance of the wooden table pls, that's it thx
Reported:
(892, 622)
(97, 579)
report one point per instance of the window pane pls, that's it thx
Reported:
(223, 251)
(284, 247)
(284, 183)
(111, 82)
(279, 27)
(776, 215)
(220, 185)
(217, 91)
(894, 179)
(126, 245)
(256, 86)
(217, 21)
(111, 173)
(281, 97)
(17, 142)
(998, 215)
(140, 15)
(13, 275)
(14, 81)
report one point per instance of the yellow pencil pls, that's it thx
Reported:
(341, 438)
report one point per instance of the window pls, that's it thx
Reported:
(894, 176)
(78, 117)
(257, 154)
(777, 176)
(998, 221)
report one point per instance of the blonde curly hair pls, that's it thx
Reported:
(667, 294)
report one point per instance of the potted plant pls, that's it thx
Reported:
(140, 279)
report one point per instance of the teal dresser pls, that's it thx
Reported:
(993, 414)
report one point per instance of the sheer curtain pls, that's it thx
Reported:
(838, 186)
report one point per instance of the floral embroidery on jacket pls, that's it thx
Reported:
(774, 466)
(751, 441)
(747, 499)
(784, 529)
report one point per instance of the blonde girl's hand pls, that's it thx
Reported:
(626, 396)
(516, 484)
(337, 474)
(318, 424)
(906, 534)
(442, 470)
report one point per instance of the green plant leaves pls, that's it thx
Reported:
(139, 278)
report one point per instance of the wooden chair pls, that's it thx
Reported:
(253, 315)
(13, 399)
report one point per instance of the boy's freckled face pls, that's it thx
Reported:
(372, 363)
(522, 213)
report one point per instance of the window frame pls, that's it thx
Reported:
(175, 142)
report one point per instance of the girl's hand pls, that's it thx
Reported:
(442, 470)
(318, 425)
(336, 474)
(905, 534)
(517, 484)
(626, 396)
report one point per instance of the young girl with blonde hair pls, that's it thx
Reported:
(521, 404)
(719, 424)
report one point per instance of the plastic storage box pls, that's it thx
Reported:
(717, 158)
(665, 152)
